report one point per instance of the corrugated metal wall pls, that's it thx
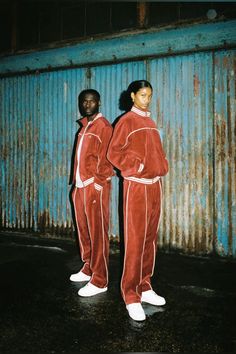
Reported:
(194, 106)
(184, 111)
(225, 152)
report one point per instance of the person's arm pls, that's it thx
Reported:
(120, 151)
(104, 167)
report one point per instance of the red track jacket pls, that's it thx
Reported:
(136, 148)
(91, 164)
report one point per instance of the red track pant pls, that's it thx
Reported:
(92, 220)
(142, 207)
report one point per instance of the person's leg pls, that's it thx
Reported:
(154, 196)
(135, 227)
(97, 213)
(82, 229)
(153, 193)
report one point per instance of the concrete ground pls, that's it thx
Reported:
(42, 313)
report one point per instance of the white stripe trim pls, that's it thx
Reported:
(77, 224)
(160, 206)
(85, 210)
(134, 131)
(99, 115)
(79, 183)
(85, 183)
(154, 244)
(154, 258)
(88, 181)
(78, 180)
(145, 236)
(143, 180)
(98, 187)
(95, 136)
(103, 239)
(126, 237)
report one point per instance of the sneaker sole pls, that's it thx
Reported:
(89, 295)
(79, 280)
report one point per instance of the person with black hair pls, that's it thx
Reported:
(91, 192)
(136, 150)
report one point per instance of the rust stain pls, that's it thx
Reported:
(230, 177)
(20, 139)
(180, 134)
(142, 14)
(216, 60)
(203, 240)
(43, 221)
(196, 84)
(220, 140)
(190, 243)
(5, 152)
(234, 72)
(15, 182)
(49, 228)
(225, 62)
(177, 95)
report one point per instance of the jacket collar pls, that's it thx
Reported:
(140, 112)
(84, 120)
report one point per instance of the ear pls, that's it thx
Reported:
(132, 96)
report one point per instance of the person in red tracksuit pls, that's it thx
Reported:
(91, 192)
(136, 150)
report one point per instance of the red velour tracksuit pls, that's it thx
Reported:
(136, 150)
(91, 194)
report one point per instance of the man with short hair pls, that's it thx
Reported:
(91, 193)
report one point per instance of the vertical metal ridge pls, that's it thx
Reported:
(225, 218)
(183, 117)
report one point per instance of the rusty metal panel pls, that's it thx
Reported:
(19, 136)
(183, 109)
(225, 150)
(58, 92)
(38, 121)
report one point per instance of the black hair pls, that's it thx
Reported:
(89, 91)
(137, 85)
(125, 102)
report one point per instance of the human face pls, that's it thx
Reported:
(142, 98)
(89, 105)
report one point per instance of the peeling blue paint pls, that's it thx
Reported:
(154, 42)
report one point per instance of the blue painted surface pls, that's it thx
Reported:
(225, 151)
(194, 107)
(153, 42)
(183, 111)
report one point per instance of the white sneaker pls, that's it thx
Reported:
(136, 311)
(152, 298)
(90, 290)
(80, 276)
